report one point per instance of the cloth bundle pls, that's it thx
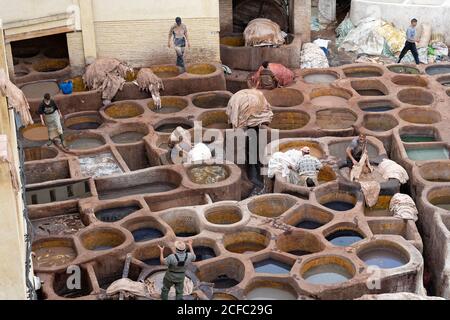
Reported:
(248, 108)
(16, 99)
(263, 32)
(107, 75)
(149, 82)
(403, 207)
(390, 169)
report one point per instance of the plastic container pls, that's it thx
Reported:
(66, 87)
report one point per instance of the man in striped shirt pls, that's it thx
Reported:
(410, 43)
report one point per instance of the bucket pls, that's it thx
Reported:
(66, 87)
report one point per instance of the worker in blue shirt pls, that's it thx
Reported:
(410, 43)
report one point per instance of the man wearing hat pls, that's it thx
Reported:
(176, 263)
(308, 167)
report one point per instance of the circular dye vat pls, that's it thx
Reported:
(335, 119)
(186, 234)
(272, 266)
(204, 253)
(53, 256)
(437, 69)
(427, 153)
(417, 97)
(232, 41)
(208, 174)
(314, 78)
(420, 116)
(289, 120)
(215, 120)
(128, 137)
(201, 69)
(403, 69)
(384, 258)
(85, 143)
(83, 122)
(84, 126)
(211, 100)
(50, 65)
(245, 247)
(35, 132)
(362, 73)
(338, 205)
(115, 214)
(379, 123)
(284, 97)
(309, 224)
(146, 234)
(224, 215)
(169, 105)
(103, 239)
(270, 207)
(36, 90)
(124, 110)
(155, 281)
(329, 101)
(300, 252)
(327, 274)
(165, 72)
(376, 107)
(25, 51)
(224, 282)
(268, 293)
(223, 296)
(344, 238)
(417, 138)
(442, 202)
(370, 92)
(170, 127)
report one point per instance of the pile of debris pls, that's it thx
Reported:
(372, 39)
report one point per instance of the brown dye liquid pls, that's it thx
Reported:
(245, 247)
(167, 109)
(59, 225)
(166, 74)
(37, 133)
(223, 216)
(208, 174)
(329, 101)
(53, 256)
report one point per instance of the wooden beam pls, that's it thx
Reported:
(38, 33)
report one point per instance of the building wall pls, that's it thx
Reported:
(22, 10)
(138, 32)
(226, 16)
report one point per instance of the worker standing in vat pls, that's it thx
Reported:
(410, 44)
(356, 149)
(51, 117)
(267, 79)
(308, 167)
(180, 41)
(176, 263)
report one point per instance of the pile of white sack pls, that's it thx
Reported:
(313, 56)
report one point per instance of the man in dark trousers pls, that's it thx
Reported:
(51, 117)
(179, 35)
(410, 43)
(176, 272)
